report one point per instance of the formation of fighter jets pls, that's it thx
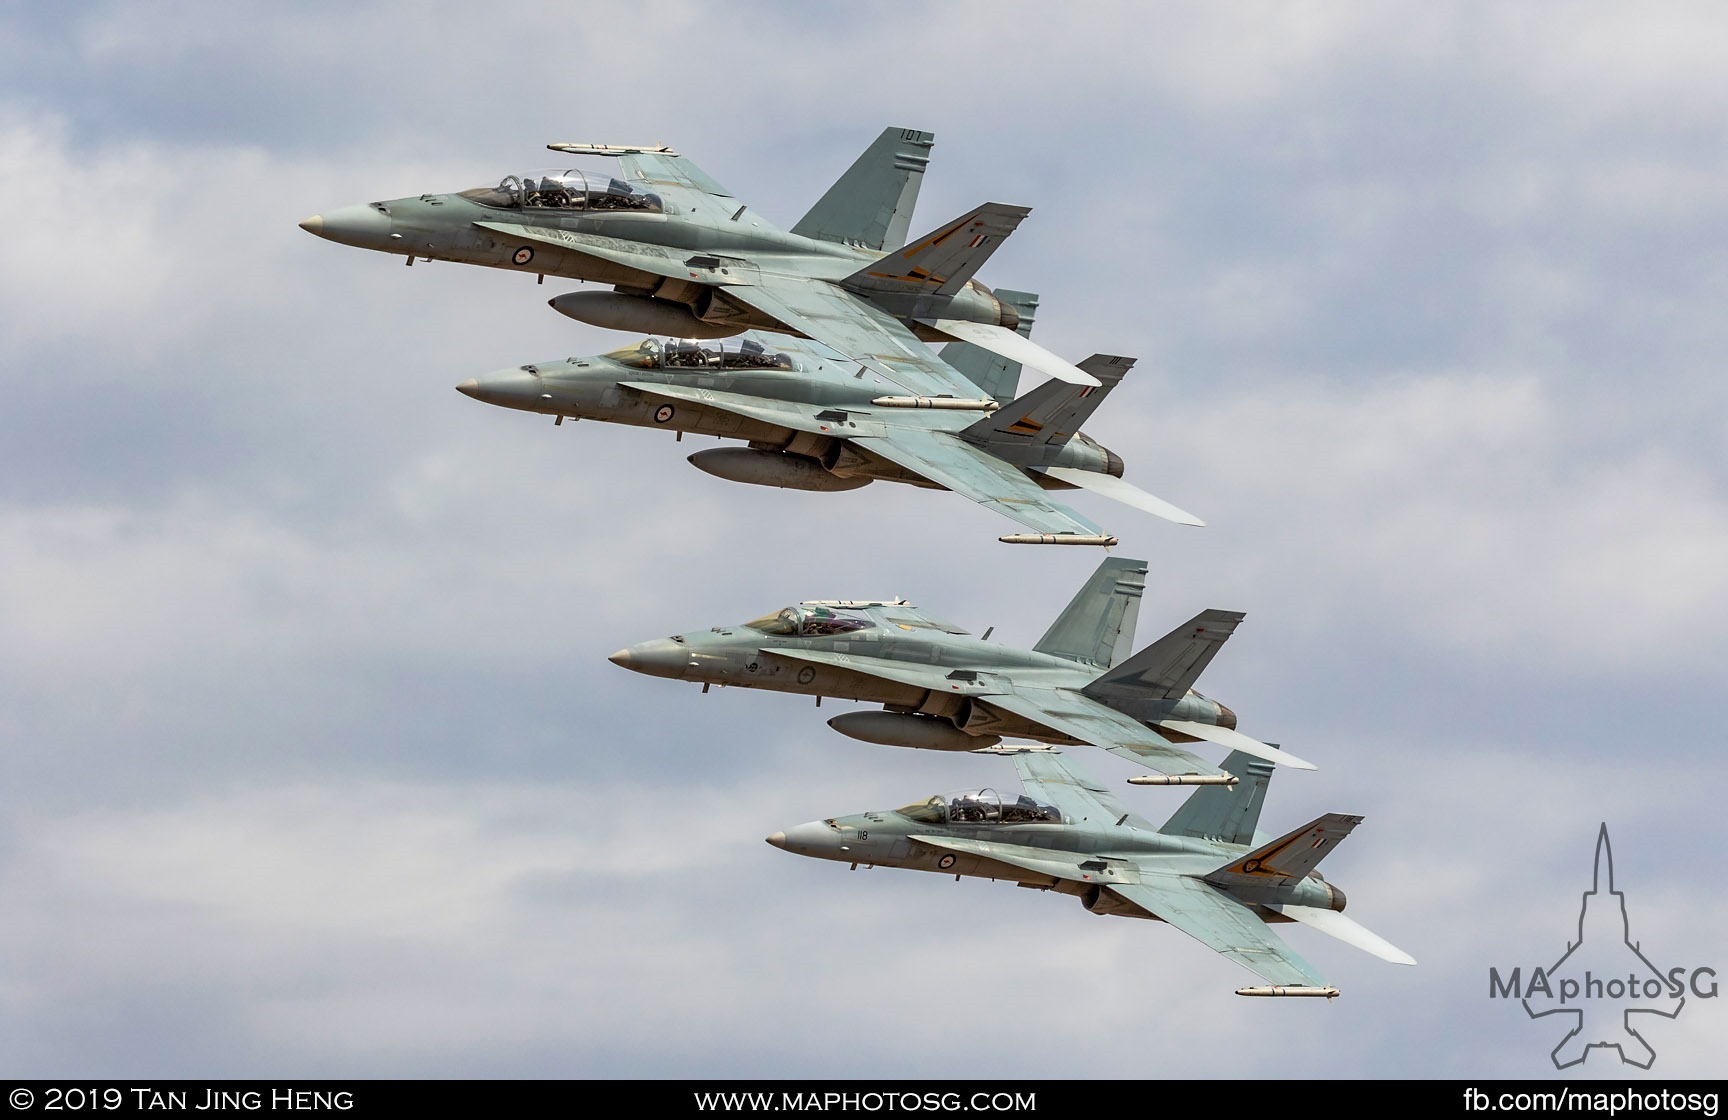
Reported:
(813, 347)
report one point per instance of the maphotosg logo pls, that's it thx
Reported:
(1603, 979)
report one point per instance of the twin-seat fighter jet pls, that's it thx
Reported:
(816, 422)
(685, 257)
(1206, 872)
(944, 690)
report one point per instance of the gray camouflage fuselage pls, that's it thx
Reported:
(692, 236)
(594, 388)
(747, 658)
(1119, 854)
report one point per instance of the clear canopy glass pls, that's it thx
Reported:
(980, 806)
(565, 189)
(701, 354)
(808, 622)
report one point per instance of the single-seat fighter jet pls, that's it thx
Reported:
(686, 258)
(816, 422)
(944, 690)
(1206, 872)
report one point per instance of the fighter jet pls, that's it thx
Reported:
(814, 421)
(944, 690)
(686, 258)
(1206, 871)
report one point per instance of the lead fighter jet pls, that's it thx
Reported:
(1205, 871)
(814, 422)
(687, 258)
(945, 690)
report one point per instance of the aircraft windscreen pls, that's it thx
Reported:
(808, 622)
(691, 353)
(643, 355)
(566, 189)
(985, 806)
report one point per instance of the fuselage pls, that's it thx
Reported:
(968, 670)
(1115, 853)
(835, 392)
(681, 251)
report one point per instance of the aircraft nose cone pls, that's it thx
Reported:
(510, 388)
(778, 839)
(661, 657)
(363, 226)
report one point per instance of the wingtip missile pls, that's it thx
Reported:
(1060, 538)
(1328, 992)
(1184, 780)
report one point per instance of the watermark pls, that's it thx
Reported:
(1603, 980)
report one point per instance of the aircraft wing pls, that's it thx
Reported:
(857, 329)
(1221, 924)
(1050, 779)
(1079, 717)
(799, 418)
(1043, 861)
(655, 260)
(979, 475)
(900, 672)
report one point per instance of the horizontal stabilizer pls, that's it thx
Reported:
(940, 263)
(1001, 340)
(1168, 668)
(1125, 492)
(1032, 429)
(1290, 856)
(1236, 741)
(1347, 930)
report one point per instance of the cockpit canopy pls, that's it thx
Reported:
(567, 189)
(701, 354)
(981, 806)
(809, 622)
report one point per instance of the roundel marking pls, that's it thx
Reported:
(806, 675)
(522, 255)
(945, 862)
(664, 413)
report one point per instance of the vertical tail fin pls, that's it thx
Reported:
(1229, 814)
(1097, 626)
(1168, 667)
(871, 205)
(998, 376)
(1029, 430)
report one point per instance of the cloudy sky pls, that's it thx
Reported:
(314, 764)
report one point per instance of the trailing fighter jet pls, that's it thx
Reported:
(944, 690)
(1206, 872)
(686, 258)
(814, 421)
